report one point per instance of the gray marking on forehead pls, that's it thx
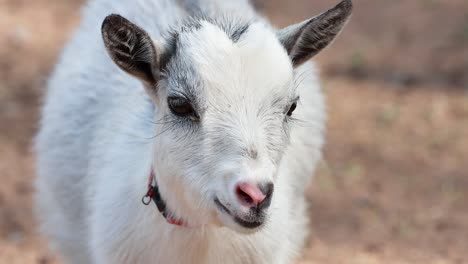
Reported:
(237, 33)
(192, 24)
(234, 28)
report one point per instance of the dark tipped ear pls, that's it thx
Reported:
(304, 40)
(131, 48)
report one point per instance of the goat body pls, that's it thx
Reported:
(205, 101)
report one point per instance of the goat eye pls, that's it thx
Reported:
(181, 107)
(292, 108)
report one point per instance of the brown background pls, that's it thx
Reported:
(393, 186)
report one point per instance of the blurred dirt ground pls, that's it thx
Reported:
(393, 186)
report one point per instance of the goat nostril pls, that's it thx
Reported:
(267, 188)
(249, 194)
(244, 196)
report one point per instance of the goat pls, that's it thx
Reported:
(200, 106)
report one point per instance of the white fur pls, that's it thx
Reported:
(96, 146)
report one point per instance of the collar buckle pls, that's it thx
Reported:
(153, 195)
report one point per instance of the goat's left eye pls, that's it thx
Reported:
(181, 107)
(292, 108)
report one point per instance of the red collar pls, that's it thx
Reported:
(154, 195)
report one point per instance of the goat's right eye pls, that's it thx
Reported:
(181, 107)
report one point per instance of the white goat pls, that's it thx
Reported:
(203, 110)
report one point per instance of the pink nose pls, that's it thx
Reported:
(249, 194)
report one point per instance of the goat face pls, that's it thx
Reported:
(225, 104)
(225, 93)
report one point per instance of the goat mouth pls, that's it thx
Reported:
(221, 206)
(244, 223)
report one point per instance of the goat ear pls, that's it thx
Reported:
(131, 48)
(304, 40)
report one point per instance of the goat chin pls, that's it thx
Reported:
(221, 106)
